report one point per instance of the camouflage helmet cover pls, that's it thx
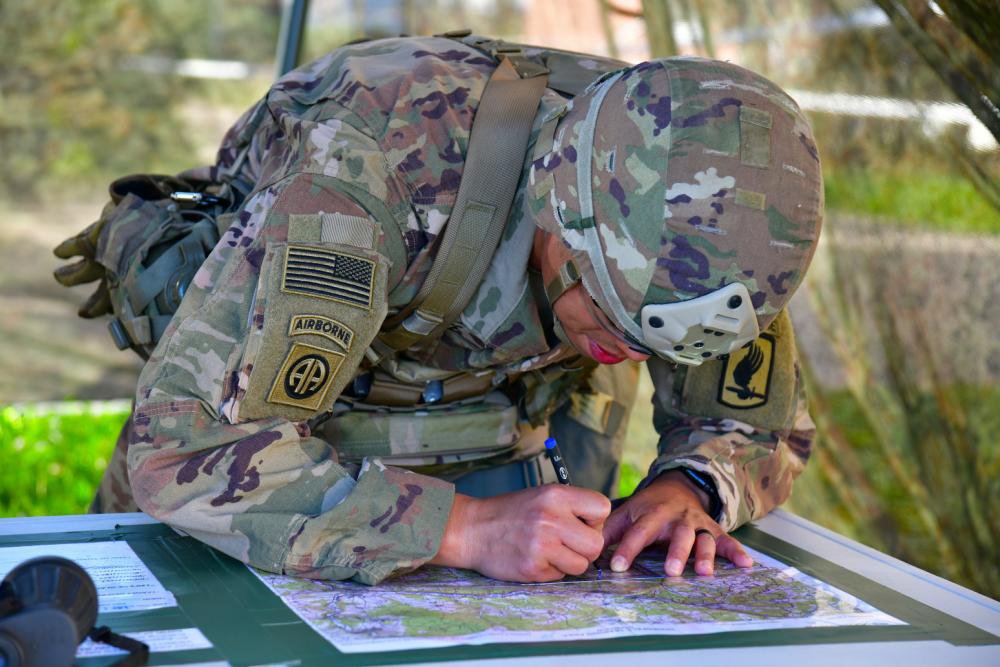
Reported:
(702, 174)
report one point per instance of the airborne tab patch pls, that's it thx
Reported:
(328, 274)
(746, 377)
(319, 325)
(305, 376)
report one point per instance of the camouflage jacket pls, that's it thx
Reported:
(351, 165)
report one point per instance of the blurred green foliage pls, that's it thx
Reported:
(631, 475)
(902, 196)
(899, 482)
(907, 458)
(54, 461)
(79, 104)
(917, 171)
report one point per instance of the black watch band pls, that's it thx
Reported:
(706, 484)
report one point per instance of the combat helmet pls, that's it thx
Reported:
(690, 195)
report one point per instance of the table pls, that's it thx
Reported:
(956, 602)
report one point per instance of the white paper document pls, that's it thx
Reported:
(123, 581)
(159, 641)
(435, 607)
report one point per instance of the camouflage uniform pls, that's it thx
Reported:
(350, 166)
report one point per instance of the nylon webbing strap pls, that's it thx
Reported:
(497, 147)
(566, 277)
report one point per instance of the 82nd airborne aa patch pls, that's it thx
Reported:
(746, 377)
(305, 376)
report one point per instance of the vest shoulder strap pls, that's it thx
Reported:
(570, 72)
(497, 146)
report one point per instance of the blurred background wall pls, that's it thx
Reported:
(897, 323)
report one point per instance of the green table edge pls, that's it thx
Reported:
(248, 624)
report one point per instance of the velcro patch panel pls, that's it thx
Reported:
(328, 274)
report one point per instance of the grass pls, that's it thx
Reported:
(901, 197)
(61, 452)
(630, 477)
(55, 457)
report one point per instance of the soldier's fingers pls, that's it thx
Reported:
(589, 505)
(569, 561)
(730, 548)
(681, 540)
(83, 271)
(92, 233)
(97, 304)
(616, 525)
(536, 573)
(550, 574)
(638, 536)
(704, 552)
(582, 539)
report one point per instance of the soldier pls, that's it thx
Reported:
(348, 386)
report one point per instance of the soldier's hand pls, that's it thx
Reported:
(85, 270)
(669, 510)
(538, 534)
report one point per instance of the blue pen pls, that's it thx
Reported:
(552, 451)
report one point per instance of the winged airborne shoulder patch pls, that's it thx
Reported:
(745, 381)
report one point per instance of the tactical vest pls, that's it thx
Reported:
(411, 415)
(394, 408)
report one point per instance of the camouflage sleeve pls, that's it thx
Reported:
(274, 325)
(742, 421)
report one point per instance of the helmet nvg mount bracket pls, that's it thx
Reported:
(689, 332)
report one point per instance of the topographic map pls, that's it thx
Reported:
(435, 607)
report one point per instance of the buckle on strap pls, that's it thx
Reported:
(433, 392)
(565, 279)
(119, 335)
(525, 67)
(421, 322)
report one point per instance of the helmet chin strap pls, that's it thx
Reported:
(565, 279)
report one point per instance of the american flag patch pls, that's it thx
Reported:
(328, 274)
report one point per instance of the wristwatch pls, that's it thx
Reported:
(707, 485)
